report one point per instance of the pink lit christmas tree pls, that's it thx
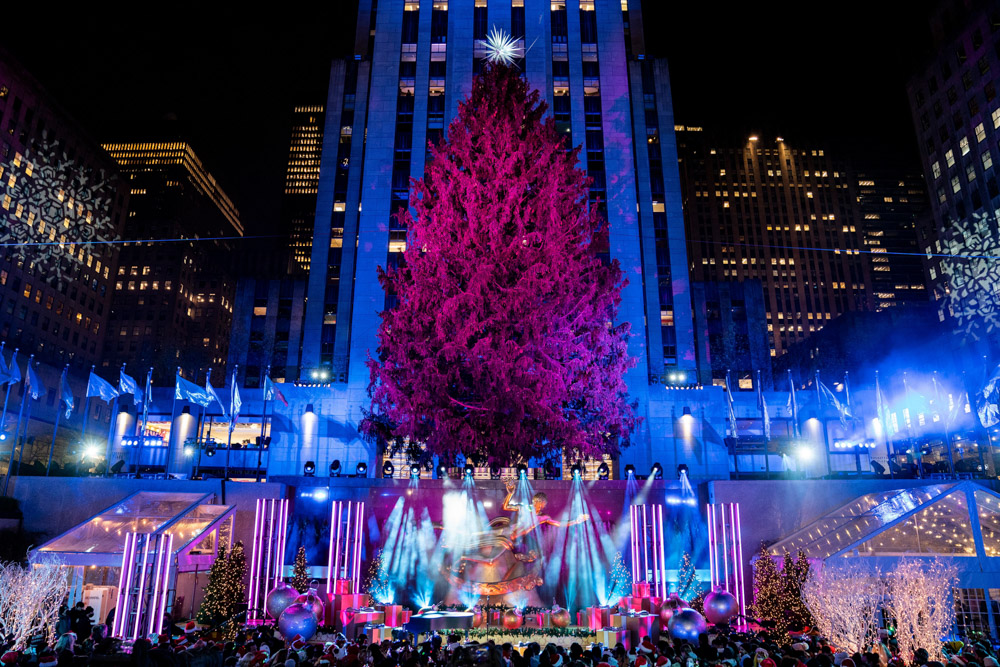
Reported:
(504, 344)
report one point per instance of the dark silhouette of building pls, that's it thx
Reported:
(62, 204)
(731, 322)
(174, 298)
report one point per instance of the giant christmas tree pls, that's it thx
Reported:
(504, 343)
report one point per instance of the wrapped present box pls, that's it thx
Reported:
(495, 617)
(610, 637)
(631, 602)
(542, 619)
(639, 626)
(343, 587)
(652, 604)
(640, 589)
(344, 607)
(377, 633)
(393, 615)
(597, 618)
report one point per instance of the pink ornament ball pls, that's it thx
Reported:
(312, 600)
(298, 619)
(720, 606)
(512, 619)
(280, 597)
(669, 607)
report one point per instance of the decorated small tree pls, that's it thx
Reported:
(844, 598)
(688, 582)
(504, 343)
(214, 604)
(794, 572)
(300, 572)
(920, 599)
(29, 600)
(767, 604)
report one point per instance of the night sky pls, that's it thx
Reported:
(829, 72)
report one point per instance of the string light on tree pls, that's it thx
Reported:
(300, 571)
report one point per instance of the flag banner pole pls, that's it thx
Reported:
(24, 440)
(17, 430)
(111, 437)
(3, 419)
(86, 410)
(59, 410)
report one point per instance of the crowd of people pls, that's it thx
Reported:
(83, 644)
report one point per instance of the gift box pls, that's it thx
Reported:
(638, 626)
(377, 633)
(651, 604)
(631, 602)
(343, 587)
(610, 637)
(393, 615)
(343, 608)
(542, 619)
(597, 618)
(406, 613)
(640, 589)
(495, 617)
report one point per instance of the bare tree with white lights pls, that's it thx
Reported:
(844, 598)
(30, 596)
(919, 597)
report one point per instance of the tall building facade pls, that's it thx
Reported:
(173, 301)
(891, 209)
(414, 62)
(732, 339)
(302, 184)
(956, 114)
(62, 206)
(761, 209)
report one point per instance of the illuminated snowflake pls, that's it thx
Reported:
(501, 47)
(56, 211)
(971, 274)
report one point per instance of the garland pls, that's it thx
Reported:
(581, 633)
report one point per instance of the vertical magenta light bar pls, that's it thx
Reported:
(156, 581)
(359, 533)
(663, 558)
(270, 542)
(168, 561)
(329, 555)
(336, 550)
(124, 581)
(348, 542)
(632, 538)
(645, 546)
(254, 564)
(141, 595)
(725, 545)
(711, 544)
(739, 553)
(282, 538)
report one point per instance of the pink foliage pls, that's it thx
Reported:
(503, 343)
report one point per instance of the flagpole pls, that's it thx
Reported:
(263, 420)
(24, 439)
(111, 436)
(59, 402)
(86, 409)
(989, 441)
(232, 420)
(822, 425)
(141, 426)
(204, 408)
(170, 436)
(764, 429)
(17, 429)
(3, 420)
(795, 407)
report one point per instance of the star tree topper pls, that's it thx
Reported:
(502, 48)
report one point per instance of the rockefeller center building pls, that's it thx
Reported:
(414, 62)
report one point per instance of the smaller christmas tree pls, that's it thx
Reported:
(214, 605)
(688, 581)
(767, 591)
(795, 571)
(300, 572)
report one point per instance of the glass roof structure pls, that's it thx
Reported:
(187, 517)
(933, 520)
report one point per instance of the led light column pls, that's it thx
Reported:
(144, 585)
(267, 556)
(725, 552)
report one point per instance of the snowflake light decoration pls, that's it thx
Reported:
(971, 274)
(501, 47)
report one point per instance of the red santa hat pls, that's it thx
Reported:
(180, 643)
(662, 660)
(556, 660)
(647, 645)
(10, 657)
(162, 640)
(641, 661)
(298, 643)
(189, 627)
(47, 659)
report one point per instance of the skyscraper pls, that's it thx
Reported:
(414, 62)
(173, 300)
(62, 207)
(763, 209)
(956, 113)
(302, 183)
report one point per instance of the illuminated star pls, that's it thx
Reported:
(502, 48)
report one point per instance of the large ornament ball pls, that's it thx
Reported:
(720, 606)
(560, 618)
(279, 598)
(512, 619)
(672, 604)
(312, 600)
(686, 624)
(298, 619)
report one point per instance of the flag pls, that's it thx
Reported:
(826, 393)
(730, 409)
(4, 369)
(184, 390)
(128, 385)
(210, 390)
(98, 386)
(272, 392)
(14, 372)
(35, 386)
(762, 406)
(988, 401)
(793, 406)
(235, 403)
(882, 408)
(67, 394)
